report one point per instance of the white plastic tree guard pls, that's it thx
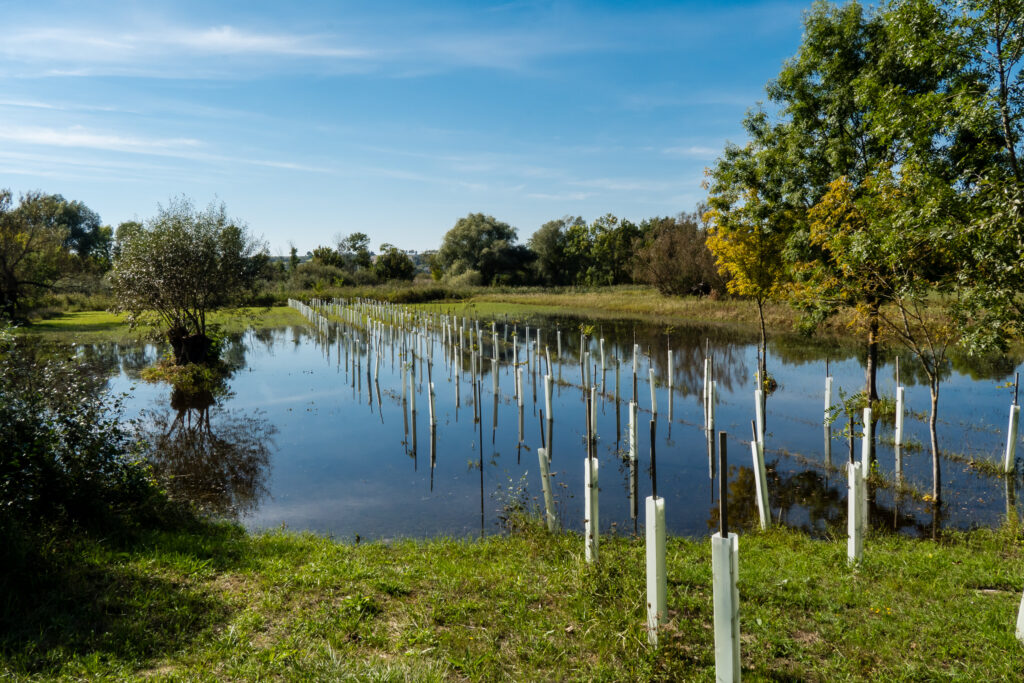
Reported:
(855, 519)
(760, 484)
(898, 432)
(633, 441)
(828, 411)
(1020, 621)
(591, 523)
(654, 396)
(545, 482)
(725, 570)
(1011, 439)
(865, 462)
(657, 587)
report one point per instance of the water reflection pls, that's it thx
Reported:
(344, 465)
(216, 457)
(815, 502)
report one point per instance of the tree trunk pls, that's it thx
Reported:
(193, 348)
(932, 418)
(762, 369)
(871, 370)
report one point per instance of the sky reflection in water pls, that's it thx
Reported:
(302, 441)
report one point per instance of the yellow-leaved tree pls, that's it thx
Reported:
(748, 225)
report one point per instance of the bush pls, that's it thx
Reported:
(66, 461)
(674, 257)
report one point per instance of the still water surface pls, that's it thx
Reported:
(305, 441)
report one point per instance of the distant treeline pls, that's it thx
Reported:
(669, 253)
(56, 254)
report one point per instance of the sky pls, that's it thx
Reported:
(311, 120)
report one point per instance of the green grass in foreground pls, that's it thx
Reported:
(215, 603)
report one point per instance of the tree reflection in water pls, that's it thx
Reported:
(816, 503)
(218, 459)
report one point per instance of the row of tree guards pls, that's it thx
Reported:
(373, 329)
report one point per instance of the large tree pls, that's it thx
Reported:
(182, 264)
(32, 252)
(549, 245)
(482, 244)
(393, 264)
(838, 120)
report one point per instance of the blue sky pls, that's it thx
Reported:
(315, 119)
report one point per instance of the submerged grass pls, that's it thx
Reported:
(216, 603)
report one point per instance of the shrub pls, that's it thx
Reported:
(65, 459)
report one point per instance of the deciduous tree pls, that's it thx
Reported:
(32, 253)
(180, 266)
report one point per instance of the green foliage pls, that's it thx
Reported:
(329, 257)
(485, 245)
(394, 264)
(190, 379)
(65, 458)
(32, 252)
(183, 264)
(548, 243)
(355, 249)
(568, 251)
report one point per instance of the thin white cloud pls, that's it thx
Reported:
(77, 136)
(167, 52)
(182, 148)
(230, 40)
(561, 196)
(693, 151)
(27, 104)
(630, 184)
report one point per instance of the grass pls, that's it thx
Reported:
(215, 603)
(96, 326)
(641, 303)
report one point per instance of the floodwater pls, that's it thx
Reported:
(305, 438)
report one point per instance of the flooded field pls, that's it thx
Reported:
(326, 426)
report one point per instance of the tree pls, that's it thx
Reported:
(749, 223)
(901, 233)
(355, 249)
(484, 245)
(122, 233)
(611, 251)
(673, 256)
(181, 265)
(394, 264)
(578, 253)
(549, 247)
(328, 257)
(32, 253)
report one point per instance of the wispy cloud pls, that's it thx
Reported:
(632, 184)
(693, 152)
(61, 106)
(168, 51)
(182, 148)
(561, 196)
(231, 40)
(77, 136)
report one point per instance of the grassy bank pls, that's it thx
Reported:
(215, 603)
(93, 326)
